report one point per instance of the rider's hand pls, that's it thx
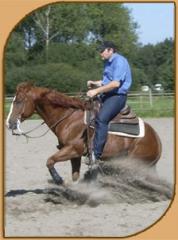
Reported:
(92, 93)
(90, 83)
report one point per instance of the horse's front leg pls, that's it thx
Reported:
(66, 153)
(76, 164)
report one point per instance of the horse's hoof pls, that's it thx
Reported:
(91, 174)
(60, 182)
(75, 176)
(55, 176)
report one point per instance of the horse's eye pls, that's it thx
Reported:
(18, 101)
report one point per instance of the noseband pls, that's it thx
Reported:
(18, 119)
(26, 134)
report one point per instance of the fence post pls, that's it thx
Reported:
(141, 101)
(150, 98)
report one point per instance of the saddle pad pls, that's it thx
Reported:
(128, 130)
(124, 129)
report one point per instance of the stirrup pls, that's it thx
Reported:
(92, 160)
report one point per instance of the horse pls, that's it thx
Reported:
(64, 116)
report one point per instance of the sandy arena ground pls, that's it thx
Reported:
(112, 207)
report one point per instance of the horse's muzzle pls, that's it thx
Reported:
(15, 127)
(12, 125)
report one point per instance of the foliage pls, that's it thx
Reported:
(157, 61)
(55, 46)
(16, 55)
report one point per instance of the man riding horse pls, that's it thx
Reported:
(65, 116)
(113, 89)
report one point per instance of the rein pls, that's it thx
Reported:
(25, 134)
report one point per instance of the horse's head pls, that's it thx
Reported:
(22, 106)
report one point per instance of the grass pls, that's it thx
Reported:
(162, 106)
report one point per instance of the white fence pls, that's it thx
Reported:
(139, 101)
(151, 98)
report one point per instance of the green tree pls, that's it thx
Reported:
(58, 43)
(15, 52)
(165, 64)
(157, 63)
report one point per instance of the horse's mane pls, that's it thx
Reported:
(54, 97)
(59, 99)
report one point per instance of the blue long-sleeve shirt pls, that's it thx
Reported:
(117, 68)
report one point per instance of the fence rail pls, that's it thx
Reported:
(143, 103)
(131, 94)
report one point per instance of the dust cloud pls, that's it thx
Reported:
(118, 181)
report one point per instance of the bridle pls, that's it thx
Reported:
(20, 116)
(26, 134)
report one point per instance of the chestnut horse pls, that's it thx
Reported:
(64, 115)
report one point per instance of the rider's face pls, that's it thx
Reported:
(106, 54)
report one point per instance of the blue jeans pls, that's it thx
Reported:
(111, 106)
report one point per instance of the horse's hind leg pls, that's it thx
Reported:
(76, 163)
(147, 148)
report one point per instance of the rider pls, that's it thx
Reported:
(113, 89)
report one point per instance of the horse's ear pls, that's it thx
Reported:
(24, 86)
